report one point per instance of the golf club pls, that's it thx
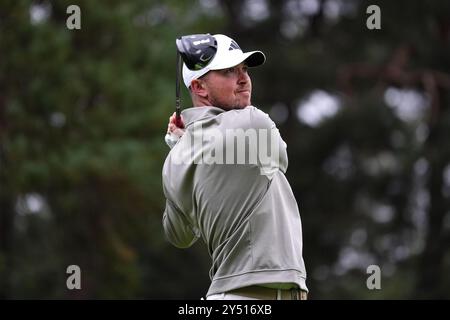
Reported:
(196, 51)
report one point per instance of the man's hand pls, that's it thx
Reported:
(173, 128)
(174, 133)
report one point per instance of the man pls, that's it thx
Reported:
(240, 203)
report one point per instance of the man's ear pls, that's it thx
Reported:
(198, 87)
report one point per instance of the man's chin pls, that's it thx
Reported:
(243, 105)
(236, 106)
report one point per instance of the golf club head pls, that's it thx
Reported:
(197, 50)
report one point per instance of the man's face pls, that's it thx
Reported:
(229, 88)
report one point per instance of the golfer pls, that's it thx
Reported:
(224, 180)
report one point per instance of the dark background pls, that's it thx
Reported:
(83, 113)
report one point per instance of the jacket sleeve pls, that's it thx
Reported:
(178, 230)
(278, 159)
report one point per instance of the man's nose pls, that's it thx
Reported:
(243, 77)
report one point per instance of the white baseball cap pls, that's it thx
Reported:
(228, 55)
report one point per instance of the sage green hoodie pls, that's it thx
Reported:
(245, 211)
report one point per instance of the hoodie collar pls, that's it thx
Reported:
(193, 114)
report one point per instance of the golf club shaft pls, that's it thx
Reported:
(178, 122)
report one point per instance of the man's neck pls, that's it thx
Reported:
(201, 102)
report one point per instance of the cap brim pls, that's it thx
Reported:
(255, 58)
(252, 58)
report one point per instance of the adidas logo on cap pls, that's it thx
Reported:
(233, 46)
